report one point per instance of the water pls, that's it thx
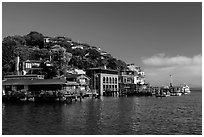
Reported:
(107, 116)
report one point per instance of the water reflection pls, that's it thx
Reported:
(93, 116)
(107, 116)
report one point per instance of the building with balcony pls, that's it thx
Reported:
(139, 74)
(127, 83)
(82, 80)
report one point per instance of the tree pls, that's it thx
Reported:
(121, 65)
(93, 54)
(48, 71)
(78, 52)
(35, 39)
(60, 58)
(66, 45)
(37, 54)
(31, 46)
(13, 46)
(112, 63)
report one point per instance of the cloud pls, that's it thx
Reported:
(184, 69)
(162, 60)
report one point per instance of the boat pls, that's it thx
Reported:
(175, 94)
(185, 89)
(167, 95)
(160, 95)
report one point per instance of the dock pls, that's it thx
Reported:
(46, 97)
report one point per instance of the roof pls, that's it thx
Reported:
(33, 82)
(75, 75)
(102, 69)
(72, 75)
(33, 61)
(35, 68)
(72, 83)
(48, 82)
(47, 37)
(16, 82)
(21, 76)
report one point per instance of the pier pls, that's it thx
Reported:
(45, 96)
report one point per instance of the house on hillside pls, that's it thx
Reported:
(47, 39)
(78, 47)
(103, 53)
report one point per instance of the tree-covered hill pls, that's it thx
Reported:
(63, 52)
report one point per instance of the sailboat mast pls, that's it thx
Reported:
(171, 81)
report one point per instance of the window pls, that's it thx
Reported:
(109, 79)
(125, 80)
(104, 87)
(113, 80)
(82, 80)
(116, 80)
(104, 80)
(115, 87)
(129, 80)
(28, 65)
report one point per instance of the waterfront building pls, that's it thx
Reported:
(32, 85)
(35, 86)
(139, 74)
(72, 83)
(82, 81)
(103, 79)
(127, 81)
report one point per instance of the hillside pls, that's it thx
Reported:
(61, 51)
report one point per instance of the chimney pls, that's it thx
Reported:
(17, 64)
(105, 67)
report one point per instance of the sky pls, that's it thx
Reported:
(163, 38)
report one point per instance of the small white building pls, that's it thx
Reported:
(78, 47)
(79, 71)
(140, 77)
(47, 39)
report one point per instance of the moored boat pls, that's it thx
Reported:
(160, 95)
(176, 94)
(185, 89)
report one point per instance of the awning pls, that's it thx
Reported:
(16, 82)
(48, 82)
(72, 83)
(34, 82)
